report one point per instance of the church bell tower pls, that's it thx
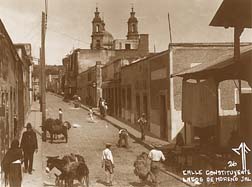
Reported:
(132, 26)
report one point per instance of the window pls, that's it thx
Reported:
(97, 28)
(133, 28)
(127, 46)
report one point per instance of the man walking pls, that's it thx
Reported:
(156, 156)
(142, 123)
(108, 163)
(29, 145)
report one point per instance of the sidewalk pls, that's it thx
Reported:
(35, 180)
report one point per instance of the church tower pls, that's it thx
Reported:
(132, 26)
(101, 39)
(98, 27)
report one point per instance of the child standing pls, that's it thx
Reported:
(90, 113)
(60, 114)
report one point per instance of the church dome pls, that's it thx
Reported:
(107, 39)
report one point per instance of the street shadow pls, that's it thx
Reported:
(56, 142)
(102, 182)
(140, 184)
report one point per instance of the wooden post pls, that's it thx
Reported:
(43, 82)
(237, 33)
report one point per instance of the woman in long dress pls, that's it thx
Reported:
(11, 165)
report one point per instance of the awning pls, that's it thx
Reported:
(234, 13)
(222, 68)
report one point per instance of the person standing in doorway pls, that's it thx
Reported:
(156, 156)
(60, 115)
(29, 145)
(108, 163)
(11, 165)
(142, 123)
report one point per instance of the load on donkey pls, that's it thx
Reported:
(55, 127)
(72, 167)
(142, 167)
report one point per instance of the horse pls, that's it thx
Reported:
(69, 170)
(55, 127)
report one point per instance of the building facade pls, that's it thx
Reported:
(14, 90)
(186, 56)
(24, 52)
(89, 85)
(145, 86)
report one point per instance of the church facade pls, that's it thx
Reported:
(103, 49)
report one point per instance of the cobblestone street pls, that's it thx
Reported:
(89, 140)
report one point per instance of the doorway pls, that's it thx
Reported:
(163, 118)
(137, 106)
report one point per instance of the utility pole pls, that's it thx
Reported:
(40, 79)
(42, 66)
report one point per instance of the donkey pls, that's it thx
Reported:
(55, 126)
(69, 170)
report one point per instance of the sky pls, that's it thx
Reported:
(69, 23)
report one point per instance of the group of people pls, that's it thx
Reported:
(19, 154)
(156, 156)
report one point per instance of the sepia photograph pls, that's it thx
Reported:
(125, 93)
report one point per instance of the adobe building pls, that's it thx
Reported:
(103, 48)
(13, 107)
(111, 85)
(145, 85)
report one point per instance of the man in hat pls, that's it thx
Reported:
(156, 156)
(142, 123)
(108, 163)
(29, 145)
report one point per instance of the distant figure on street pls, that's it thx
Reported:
(123, 137)
(11, 165)
(108, 163)
(156, 156)
(104, 108)
(60, 115)
(142, 123)
(90, 113)
(29, 145)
